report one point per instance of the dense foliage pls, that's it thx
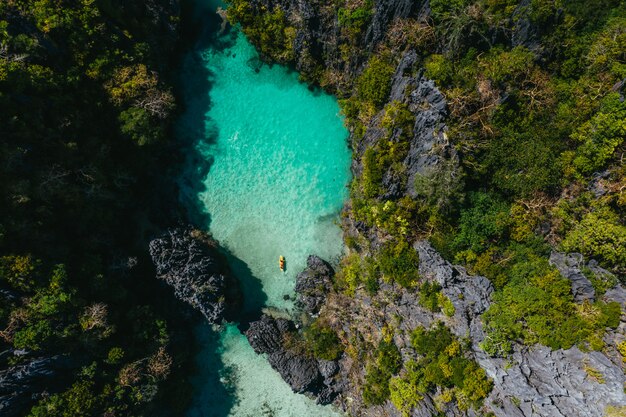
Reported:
(322, 341)
(269, 29)
(443, 364)
(84, 107)
(384, 364)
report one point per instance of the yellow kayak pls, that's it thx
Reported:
(281, 263)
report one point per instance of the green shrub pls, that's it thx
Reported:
(501, 66)
(600, 235)
(399, 263)
(19, 271)
(372, 176)
(136, 123)
(404, 393)
(443, 364)
(482, 223)
(323, 341)
(356, 20)
(444, 9)
(439, 68)
(428, 296)
(446, 305)
(351, 274)
(374, 84)
(398, 116)
(376, 388)
(522, 162)
(601, 136)
(34, 336)
(537, 307)
(115, 355)
(267, 30)
(385, 363)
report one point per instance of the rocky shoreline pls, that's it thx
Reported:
(533, 381)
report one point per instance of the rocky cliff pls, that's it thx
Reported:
(304, 373)
(533, 381)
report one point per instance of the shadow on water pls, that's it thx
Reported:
(254, 299)
(196, 131)
(213, 396)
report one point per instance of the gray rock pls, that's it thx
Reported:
(617, 294)
(303, 373)
(385, 12)
(328, 368)
(300, 372)
(266, 335)
(470, 294)
(556, 383)
(327, 395)
(429, 145)
(313, 284)
(596, 185)
(190, 265)
(569, 265)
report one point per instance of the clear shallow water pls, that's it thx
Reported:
(273, 163)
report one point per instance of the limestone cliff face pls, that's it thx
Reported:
(533, 381)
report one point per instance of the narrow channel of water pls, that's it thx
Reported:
(270, 173)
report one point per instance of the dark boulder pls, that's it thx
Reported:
(188, 261)
(299, 371)
(266, 335)
(313, 284)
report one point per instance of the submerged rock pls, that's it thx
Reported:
(188, 261)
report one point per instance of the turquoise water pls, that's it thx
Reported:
(272, 163)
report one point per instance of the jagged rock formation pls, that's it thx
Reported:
(536, 381)
(188, 261)
(313, 284)
(569, 266)
(429, 145)
(533, 381)
(303, 373)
